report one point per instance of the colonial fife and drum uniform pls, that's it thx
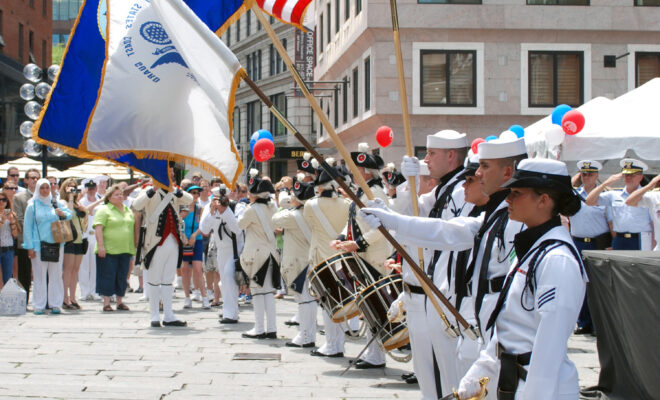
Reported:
(260, 258)
(227, 239)
(326, 216)
(162, 249)
(295, 253)
(537, 309)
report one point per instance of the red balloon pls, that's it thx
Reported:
(475, 144)
(384, 136)
(572, 122)
(263, 150)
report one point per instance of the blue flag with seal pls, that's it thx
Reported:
(69, 109)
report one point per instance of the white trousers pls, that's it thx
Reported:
(263, 303)
(160, 276)
(87, 271)
(444, 348)
(334, 336)
(53, 292)
(374, 354)
(306, 316)
(419, 331)
(226, 269)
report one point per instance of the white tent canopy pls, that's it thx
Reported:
(95, 168)
(612, 129)
(25, 163)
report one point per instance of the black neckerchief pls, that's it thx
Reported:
(494, 201)
(371, 183)
(262, 201)
(299, 207)
(524, 240)
(327, 193)
(443, 181)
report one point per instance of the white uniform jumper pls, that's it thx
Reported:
(295, 253)
(534, 317)
(226, 235)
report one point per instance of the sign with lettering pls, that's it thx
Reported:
(305, 57)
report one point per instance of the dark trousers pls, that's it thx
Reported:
(600, 242)
(620, 242)
(24, 270)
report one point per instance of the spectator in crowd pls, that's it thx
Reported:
(10, 189)
(114, 225)
(54, 187)
(39, 215)
(102, 182)
(205, 193)
(193, 252)
(19, 204)
(75, 249)
(12, 176)
(8, 233)
(215, 182)
(87, 273)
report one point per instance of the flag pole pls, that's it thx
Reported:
(403, 96)
(426, 283)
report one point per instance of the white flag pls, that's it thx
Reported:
(167, 90)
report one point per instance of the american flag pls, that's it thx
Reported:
(296, 12)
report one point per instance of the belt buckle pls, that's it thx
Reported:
(627, 235)
(587, 240)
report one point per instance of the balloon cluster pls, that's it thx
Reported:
(565, 121)
(513, 133)
(262, 146)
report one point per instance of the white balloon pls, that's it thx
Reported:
(31, 148)
(55, 151)
(508, 136)
(53, 71)
(32, 109)
(554, 135)
(32, 72)
(42, 90)
(27, 91)
(26, 129)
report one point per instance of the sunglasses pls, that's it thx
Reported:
(4, 200)
(14, 175)
(11, 188)
(194, 192)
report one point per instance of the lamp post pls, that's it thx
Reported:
(34, 93)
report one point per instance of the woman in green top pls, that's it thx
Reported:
(114, 226)
(73, 250)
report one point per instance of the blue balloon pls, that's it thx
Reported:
(558, 113)
(518, 130)
(253, 141)
(264, 134)
(491, 137)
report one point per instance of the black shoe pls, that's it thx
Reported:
(361, 364)
(228, 321)
(581, 330)
(155, 324)
(271, 335)
(406, 376)
(291, 323)
(175, 323)
(317, 353)
(300, 346)
(412, 380)
(255, 336)
(139, 290)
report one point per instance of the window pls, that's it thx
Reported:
(449, 1)
(647, 67)
(31, 4)
(276, 64)
(277, 169)
(336, 105)
(31, 42)
(358, 6)
(44, 54)
(228, 37)
(347, 9)
(2, 41)
(253, 117)
(20, 42)
(555, 77)
(337, 2)
(367, 84)
(237, 125)
(276, 127)
(44, 8)
(271, 60)
(253, 65)
(447, 78)
(328, 25)
(558, 2)
(248, 65)
(238, 30)
(344, 100)
(258, 68)
(279, 58)
(355, 93)
(320, 33)
(655, 3)
(248, 22)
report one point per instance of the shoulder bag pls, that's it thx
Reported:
(49, 252)
(60, 229)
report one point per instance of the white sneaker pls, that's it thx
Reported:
(187, 303)
(196, 296)
(144, 298)
(205, 303)
(179, 284)
(95, 297)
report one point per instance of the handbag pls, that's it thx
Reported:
(189, 251)
(61, 230)
(48, 252)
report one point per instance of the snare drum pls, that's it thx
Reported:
(336, 281)
(374, 302)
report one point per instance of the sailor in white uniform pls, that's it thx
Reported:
(539, 304)
(649, 197)
(632, 226)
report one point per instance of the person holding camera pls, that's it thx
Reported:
(221, 223)
(44, 252)
(76, 248)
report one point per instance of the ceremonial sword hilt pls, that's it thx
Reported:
(472, 332)
(480, 396)
(450, 329)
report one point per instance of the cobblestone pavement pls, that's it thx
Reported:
(96, 355)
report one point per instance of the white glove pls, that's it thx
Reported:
(377, 203)
(395, 313)
(410, 167)
(468, 387)
(375, 217)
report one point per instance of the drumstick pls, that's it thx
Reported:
(357, 358)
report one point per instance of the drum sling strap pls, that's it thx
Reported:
(512, 365)
(323, 220)
(436, 212)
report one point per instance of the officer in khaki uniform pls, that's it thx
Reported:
(295, 252)
(260, 258)
(326, 215)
